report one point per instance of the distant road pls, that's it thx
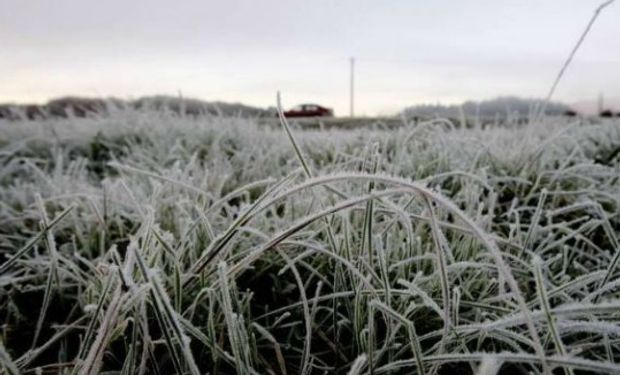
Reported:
(387, 122)
(337, 122)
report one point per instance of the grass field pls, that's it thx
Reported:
(145, 243)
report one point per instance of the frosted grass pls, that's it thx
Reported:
(169, 244)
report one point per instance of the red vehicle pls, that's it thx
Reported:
(309, 110)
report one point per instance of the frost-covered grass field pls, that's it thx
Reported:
(146, 243)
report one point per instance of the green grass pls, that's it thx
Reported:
(149, 243)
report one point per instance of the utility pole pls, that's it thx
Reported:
(600, 103)
(352, 87)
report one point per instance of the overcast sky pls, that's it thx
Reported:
(406, 52)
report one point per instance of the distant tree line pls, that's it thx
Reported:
(503, 108)
(506, 107)
(96, 107)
